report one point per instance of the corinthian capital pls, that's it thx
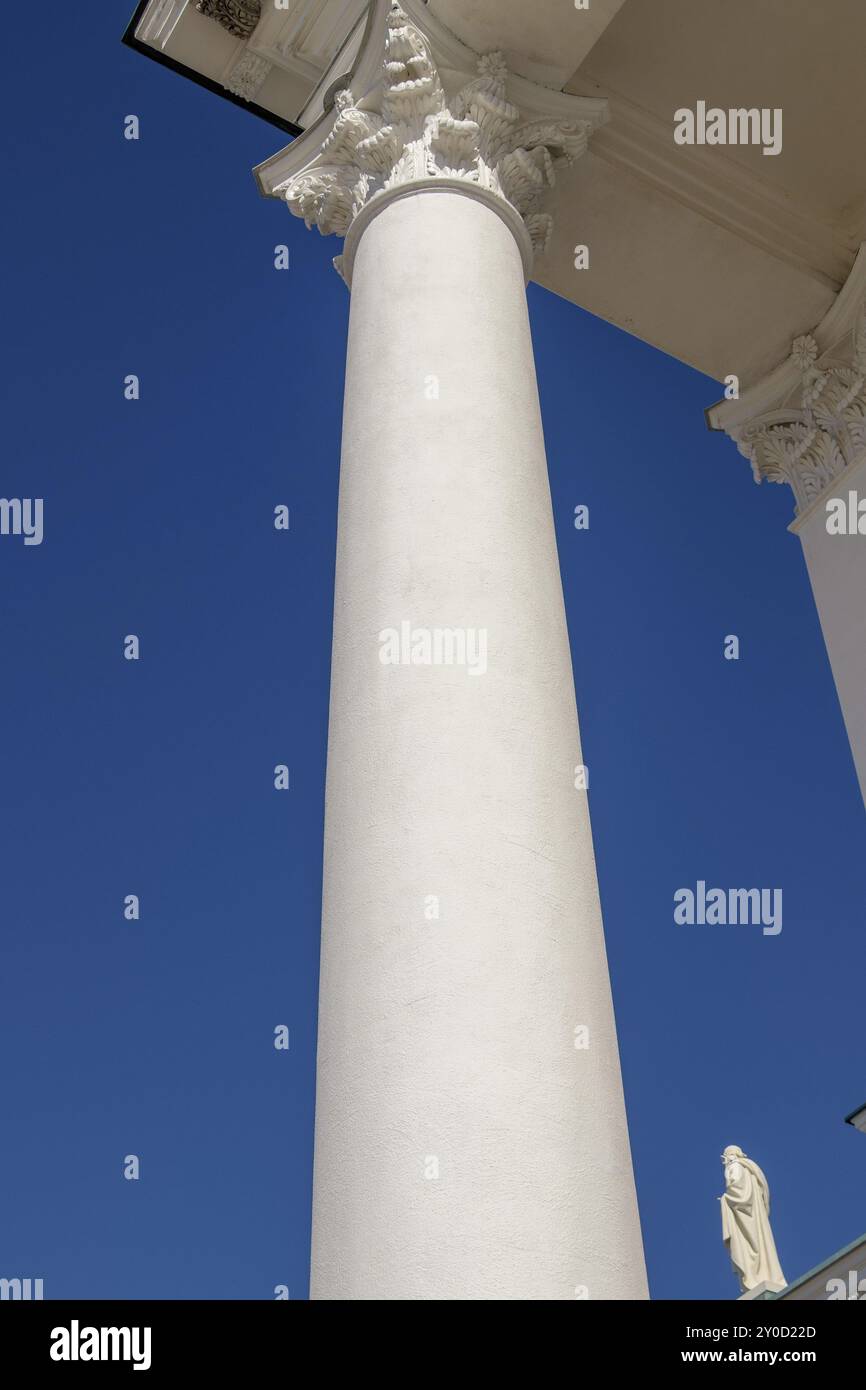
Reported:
(422, 118)
(805, 424)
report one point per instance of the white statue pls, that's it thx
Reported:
(746, 1223)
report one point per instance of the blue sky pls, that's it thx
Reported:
(155, 778)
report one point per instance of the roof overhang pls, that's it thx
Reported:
(718, 256)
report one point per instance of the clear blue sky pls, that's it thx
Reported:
(155, 778)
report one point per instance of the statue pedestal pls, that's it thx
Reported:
(764, 1290)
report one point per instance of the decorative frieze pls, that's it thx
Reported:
(409, 130)
(248, 75)
(239, 17)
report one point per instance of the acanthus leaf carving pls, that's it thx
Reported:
(796, 452)
(809, 443)
(409, 130)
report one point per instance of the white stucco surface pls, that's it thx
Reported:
(453, 1039)
(546, 40)
(837, 572)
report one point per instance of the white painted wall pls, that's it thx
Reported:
(453, 1039)
(837, 571)
(545, 40)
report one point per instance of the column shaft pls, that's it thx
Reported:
(465, 1148)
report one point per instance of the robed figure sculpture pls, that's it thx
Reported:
(746, 1223)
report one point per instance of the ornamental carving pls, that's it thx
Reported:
(416, 133)
(248, 75)
(239, 17)
(810, 442)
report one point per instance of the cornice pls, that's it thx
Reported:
(509, 215)
(720, 189)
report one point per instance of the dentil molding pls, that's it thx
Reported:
(805, 423)
(419, 120)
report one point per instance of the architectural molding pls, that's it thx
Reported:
(159, 20)
(443, 183)
(408, 128)
(805, 424)
(728, 195)
(305, 39)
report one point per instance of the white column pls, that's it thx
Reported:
(836, 562)
(469, 1143)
